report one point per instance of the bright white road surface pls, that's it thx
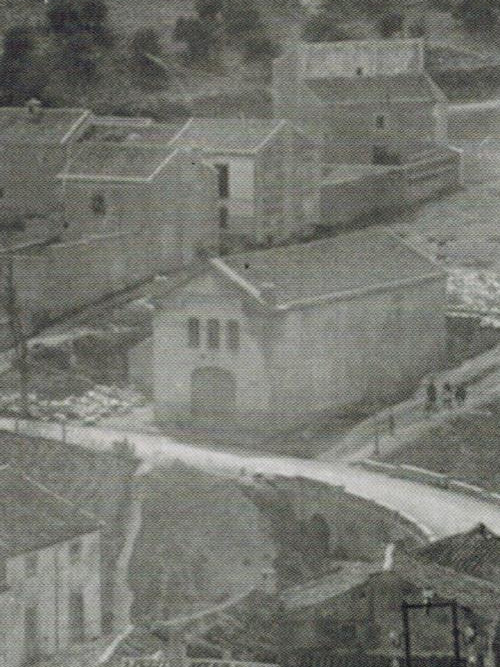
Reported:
(439, 512)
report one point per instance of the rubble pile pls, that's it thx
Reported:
(89, 408)
(476, 291)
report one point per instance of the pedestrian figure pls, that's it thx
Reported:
(447, 396)
(431, 397)
(461, 394)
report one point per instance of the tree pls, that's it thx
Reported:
(260, 47)
(79, 56)
(198, 37)
(240, 17)
(208, 9)
(67, 17)
(478, 15)
(18, 43)
(390, 24)
(17, 332)
(21, 75)
(63, 17)
(144, 47)
(321, 28)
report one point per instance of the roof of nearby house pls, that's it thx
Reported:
(473, 592)
(474, 122)
(228, 135)
(408, 87)
(53, 125)
(33, 517)
(130, 132)
(344, 576)
(117, 161)
(477, 594)
(333, 268)
(476, 552)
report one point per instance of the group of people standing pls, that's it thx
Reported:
(448, 396)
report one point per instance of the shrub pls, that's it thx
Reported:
(321, 28)
(478, 15)
(390, 24)
(18, 42)
(197, 36)
(260, 47)
(208, 9)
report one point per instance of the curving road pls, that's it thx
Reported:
(438, 512)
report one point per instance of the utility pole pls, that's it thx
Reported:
(19, 338)
(427, 605)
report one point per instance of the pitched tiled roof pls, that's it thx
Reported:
(472, 592)
(410, 87)
(143, 133)
(476, 552)
(53, 125)
(475, 593)
(32, 517)
(116, 161)
(227, 135)
(345, 576)
(338, 267)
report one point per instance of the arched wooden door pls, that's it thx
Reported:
(213, 391)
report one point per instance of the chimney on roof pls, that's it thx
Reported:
(34, 109)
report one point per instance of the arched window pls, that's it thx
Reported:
(193, 332)
(213, 334)
(233, 335)
(98, 204)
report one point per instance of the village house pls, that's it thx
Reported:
(130, 212)
(264, 339)
(267, 172)
(356, 607)
(268, 176)
(356, 97)
(51, 571)
(35, 142)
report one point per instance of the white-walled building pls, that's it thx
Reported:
(51, 587)
(264, 339)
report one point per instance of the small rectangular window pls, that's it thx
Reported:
(31, 564)
(223, 217)
(223, 180)
(233, 335)
(193, 332)
(213, 334)
(380, 122)
(75, 552)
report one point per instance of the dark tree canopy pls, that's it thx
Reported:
(197, 36)
(260, 47)
(208, 8)
(479, 15)
(390, 24)
(322, 28)
(18, 43)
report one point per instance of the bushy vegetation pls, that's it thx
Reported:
(323, 28)
(237, 24)
(479, 15)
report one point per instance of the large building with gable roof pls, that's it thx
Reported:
(264, 339)
(360, 98)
